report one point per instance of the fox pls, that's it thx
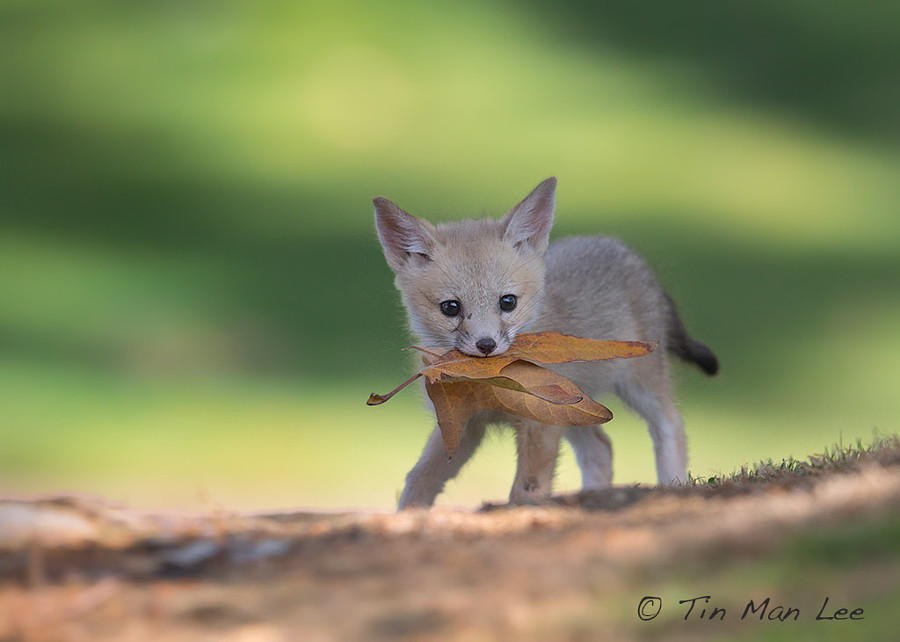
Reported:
(475, 284)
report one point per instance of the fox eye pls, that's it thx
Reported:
(508, 302)
(450, 307)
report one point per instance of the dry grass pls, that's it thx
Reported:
(883, 451)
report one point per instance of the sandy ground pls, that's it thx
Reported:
(82, 569)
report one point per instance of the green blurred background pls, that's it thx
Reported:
(193, 303)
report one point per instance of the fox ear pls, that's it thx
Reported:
(529, 222)
(403, 236)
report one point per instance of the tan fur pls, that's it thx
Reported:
(584, 286)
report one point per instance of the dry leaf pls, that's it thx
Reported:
(554, 347)
(460, 385)
(538, 347)
(532, 379)
(456, 402)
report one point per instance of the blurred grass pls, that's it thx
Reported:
(194, 304)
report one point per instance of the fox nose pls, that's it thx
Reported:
(486, 345)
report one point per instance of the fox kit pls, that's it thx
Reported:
(474, 285)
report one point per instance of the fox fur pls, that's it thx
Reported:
(475, 284)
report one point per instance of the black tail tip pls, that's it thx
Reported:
(704, 358)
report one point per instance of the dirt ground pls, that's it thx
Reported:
(577, 569)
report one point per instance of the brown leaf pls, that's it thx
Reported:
(554, 347)
(456, 402)
(540, 382)
(538, 347)
(460, 385)
(457, 364)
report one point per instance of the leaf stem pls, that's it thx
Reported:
(376, 399)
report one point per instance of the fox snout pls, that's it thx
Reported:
(486, 345)
(483, 344)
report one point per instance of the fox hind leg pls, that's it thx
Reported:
(654, 403)
(593, 452)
